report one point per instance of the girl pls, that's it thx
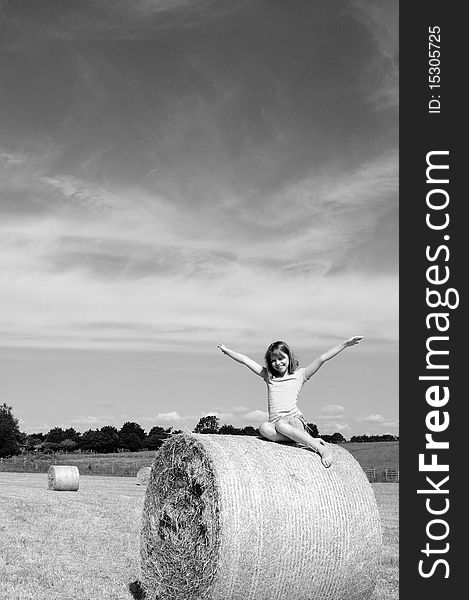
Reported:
(284, 381)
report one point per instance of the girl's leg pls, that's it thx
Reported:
(298, 434)
(268, 431)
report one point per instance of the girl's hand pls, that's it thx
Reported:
(353, 340)
(222, 347)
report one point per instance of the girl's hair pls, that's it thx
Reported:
(274, 350)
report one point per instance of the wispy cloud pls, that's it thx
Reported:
(10, 159)
(124, 267)
(109, 20)
(381, 20)
(169, 204)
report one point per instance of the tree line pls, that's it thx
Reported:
(130, 437)
(387, 437)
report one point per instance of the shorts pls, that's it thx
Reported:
(293, 421)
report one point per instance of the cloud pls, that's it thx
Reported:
(83, 193)
(372, 419)
(328, 426)
(170, 210)
(332, 418)
(169, 417)
(12, 159)
(380, 18)
(90, 421)
(256, 416)
(329, 215)
(377, 424)
(239, 409)
(125, 268)
(394, 423)
(38, 428)
(339, 427)
(235, 416)
(110, 20)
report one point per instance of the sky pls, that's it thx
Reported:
(175, 174)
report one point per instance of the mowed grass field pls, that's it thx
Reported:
(84, 545)
(375, 455)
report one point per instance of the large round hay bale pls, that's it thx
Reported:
(234, 517)
(62, 478)
(143, 475)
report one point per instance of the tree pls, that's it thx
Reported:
(50, 447)
(337, 438)
(130, 441)
(102, 440)
(208, 424)
(109, 439)
(33, 440)
(91, 440)
(156, 437)
(41, 436)
(131, 427)
(229, 430)
(10, 435)
(68, 445)
(131, 436)
(56, 435)
(249, 430)
(313, 429)
(71, 434)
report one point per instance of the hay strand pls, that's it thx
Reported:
(143, 475)
(62, 478)
(237, 517)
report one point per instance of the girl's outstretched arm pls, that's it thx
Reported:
(316, 364)
(241, 358)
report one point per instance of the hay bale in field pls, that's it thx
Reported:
(233, 517)
(143, 475)
(63, 478)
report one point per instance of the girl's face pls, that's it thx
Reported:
(279, 362)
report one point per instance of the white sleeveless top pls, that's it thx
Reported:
(282, 394)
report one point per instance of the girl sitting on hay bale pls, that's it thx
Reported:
(284, 381)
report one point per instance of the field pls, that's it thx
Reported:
(375, 455)
(85, 545)
(124, 464)
(378, 455)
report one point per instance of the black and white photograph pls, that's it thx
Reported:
(199, 299)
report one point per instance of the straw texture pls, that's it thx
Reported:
(143, 475)
(237, 517)
(63, 478)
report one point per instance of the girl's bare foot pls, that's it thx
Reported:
(326, 457)
(323, 450)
